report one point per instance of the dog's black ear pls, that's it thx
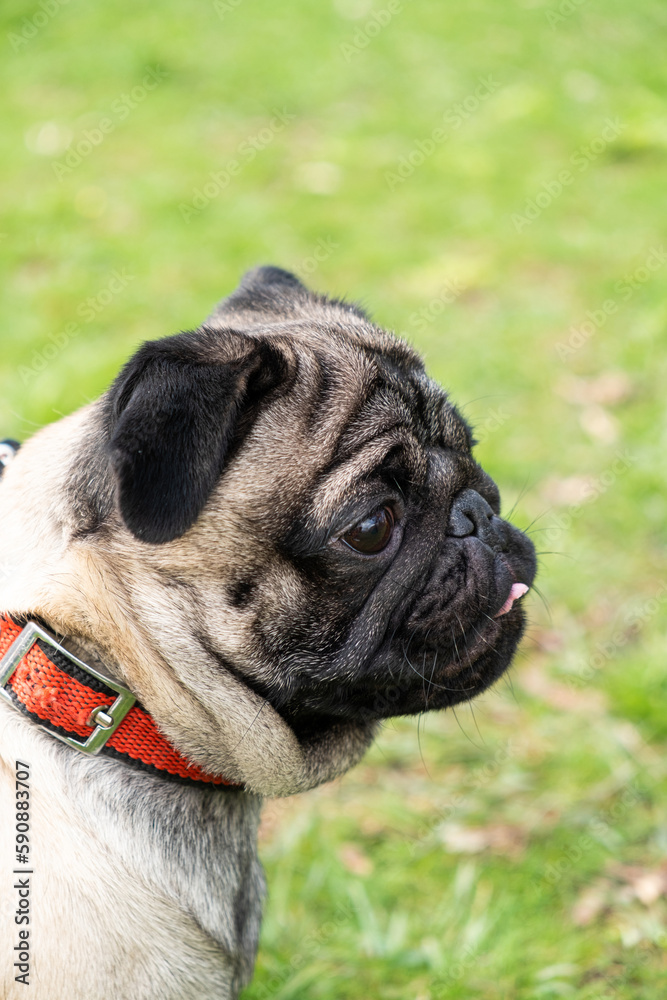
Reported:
(269, 295)
(175, 411)
(264, 294)
(269, 278)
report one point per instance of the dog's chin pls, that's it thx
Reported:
(409, 678)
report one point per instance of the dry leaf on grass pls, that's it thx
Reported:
(599, 424)
(355, 860)
(591, 903)
(548, 640)
(607, 389)
(371, 826)
(645, 884)
(499, 838)
(276, 814)
(564, 492)
(537, 682)
(625, 884)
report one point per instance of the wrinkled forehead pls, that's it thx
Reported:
(343, 366)
(400, 416)
(369, 404)
(376, 383)
(357, 400)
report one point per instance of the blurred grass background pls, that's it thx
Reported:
(519, 849)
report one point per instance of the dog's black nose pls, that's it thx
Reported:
(472, 515)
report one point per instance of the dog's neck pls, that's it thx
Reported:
(108, 592)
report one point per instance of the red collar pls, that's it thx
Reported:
(83, 708)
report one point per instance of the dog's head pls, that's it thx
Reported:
(291, 468)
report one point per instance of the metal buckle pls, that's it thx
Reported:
(106, 719)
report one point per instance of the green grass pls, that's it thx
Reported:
(517, 854)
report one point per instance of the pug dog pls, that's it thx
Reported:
(267, 536)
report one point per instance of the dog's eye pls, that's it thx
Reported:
(372, 534)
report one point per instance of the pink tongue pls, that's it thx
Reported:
(517, 591)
